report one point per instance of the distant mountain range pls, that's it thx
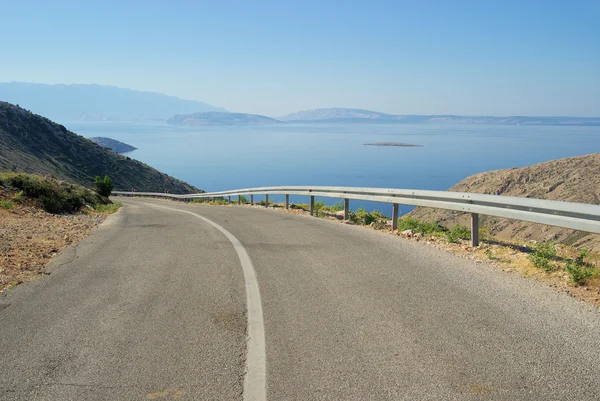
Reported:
(67, 103)
(220, 118)
(341, 115)
(96, 102)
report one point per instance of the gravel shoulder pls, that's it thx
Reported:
(31, 237)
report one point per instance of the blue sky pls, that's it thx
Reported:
(272, 58)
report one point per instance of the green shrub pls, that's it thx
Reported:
(362, 217)
(458, 232)
(378, 214)
(579, 269)
(408, 223)
(18, 196)
(54, 196)
(368, 219)
(7, 204)
(244, 200)
(543, 255)
(104, 186)
(221, 202)
(318, 205)
(109, 208)
(337, 206)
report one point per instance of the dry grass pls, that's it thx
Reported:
(31, 237)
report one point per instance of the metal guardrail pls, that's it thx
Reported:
(577, 216)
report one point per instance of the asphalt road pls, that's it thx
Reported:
(152, 305)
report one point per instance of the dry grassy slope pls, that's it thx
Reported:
(574, 179)
(33, 144)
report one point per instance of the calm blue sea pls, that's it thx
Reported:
(220, 158)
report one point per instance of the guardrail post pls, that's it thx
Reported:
(229, 199)
(287, 201)
(312, 204)
(474, 229)
(239, 199)
(395, 217)
(267, 200)
(251, 200)
(346, 208)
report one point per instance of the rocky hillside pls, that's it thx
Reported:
(574, 179)
(30, 143)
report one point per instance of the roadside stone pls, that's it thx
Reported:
(407, 233)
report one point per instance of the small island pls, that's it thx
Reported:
(112, 144)
(404, 145)
(221, 118)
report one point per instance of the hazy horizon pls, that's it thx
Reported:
(294, 112)
(437, 58)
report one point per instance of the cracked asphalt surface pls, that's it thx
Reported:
(151, 306)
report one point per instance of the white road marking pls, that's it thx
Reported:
(255, 388)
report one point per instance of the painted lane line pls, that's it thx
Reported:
(256, 365)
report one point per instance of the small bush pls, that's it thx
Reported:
(362, 217)
(7, 204)
(244, 200)
(104, 186)
(221, 202)
(368, 219)
(484, 233)
(379, 215)
(579, 269)
(108, 209)
(337, 206)
(54, 196)
(543, 255)
(319, 205)
(458, 232)
(408, 223)
(18, 196)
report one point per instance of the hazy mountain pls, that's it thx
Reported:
(220, 118)
(113, 144)
(33, 144)
(342, 115)
(96, 102)
(338, 114)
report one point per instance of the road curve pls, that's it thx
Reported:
(153, 306)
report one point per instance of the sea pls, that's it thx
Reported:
(231, 157)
